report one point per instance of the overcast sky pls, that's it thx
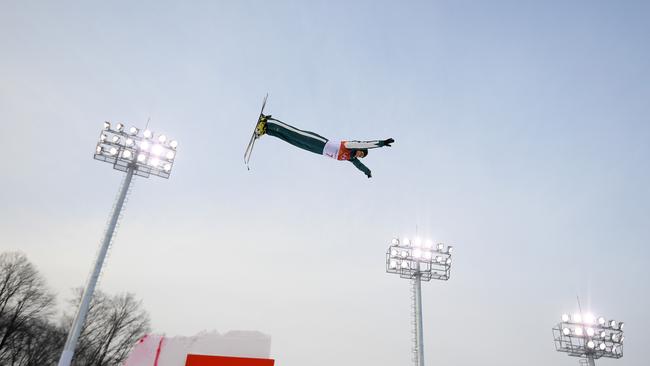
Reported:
(522, 138)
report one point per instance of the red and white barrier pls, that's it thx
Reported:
(235, 348)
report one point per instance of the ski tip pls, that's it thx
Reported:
(264, 103)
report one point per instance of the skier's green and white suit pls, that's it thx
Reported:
(310, 141)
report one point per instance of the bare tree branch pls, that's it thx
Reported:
(113, 326)
(25, 306)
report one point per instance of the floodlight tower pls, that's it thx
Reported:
(589, 338)
(137, 153)
(418, 261)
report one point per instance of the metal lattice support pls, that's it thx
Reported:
(414, 325)
(120, 217)
(418, 261)
(135, 153)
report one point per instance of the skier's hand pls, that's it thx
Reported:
(387, 143)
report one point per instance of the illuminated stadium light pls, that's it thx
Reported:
(157, 150)
(118, 148)
(588, 337)
(418, 260)
(590, 318)
(433, 263)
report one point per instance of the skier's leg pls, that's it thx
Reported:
(303, 139)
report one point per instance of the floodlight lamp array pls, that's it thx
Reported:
(144, 151)
(415, 257)
(584, 335)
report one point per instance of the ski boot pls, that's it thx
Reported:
(260, 128)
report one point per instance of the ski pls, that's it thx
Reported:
(251, 143)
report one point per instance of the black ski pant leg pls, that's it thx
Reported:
(305, 140)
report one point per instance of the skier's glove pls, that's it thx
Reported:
(388, 142)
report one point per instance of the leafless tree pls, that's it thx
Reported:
(25, 304)
(39, 343)
(113, 326)
(29, 338)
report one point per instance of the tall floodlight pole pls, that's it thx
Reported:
(136, 153)
(418, 261)
(589, 338)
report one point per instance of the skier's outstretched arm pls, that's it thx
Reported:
(361, 167)
(373, 144)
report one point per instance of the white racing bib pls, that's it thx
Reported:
(331, 149)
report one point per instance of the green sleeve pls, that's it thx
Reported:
(361, 167)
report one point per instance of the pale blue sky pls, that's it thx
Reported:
(521, 135)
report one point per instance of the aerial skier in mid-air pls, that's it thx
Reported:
(351, 151)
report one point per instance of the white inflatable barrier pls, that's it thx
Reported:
(157, 350)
